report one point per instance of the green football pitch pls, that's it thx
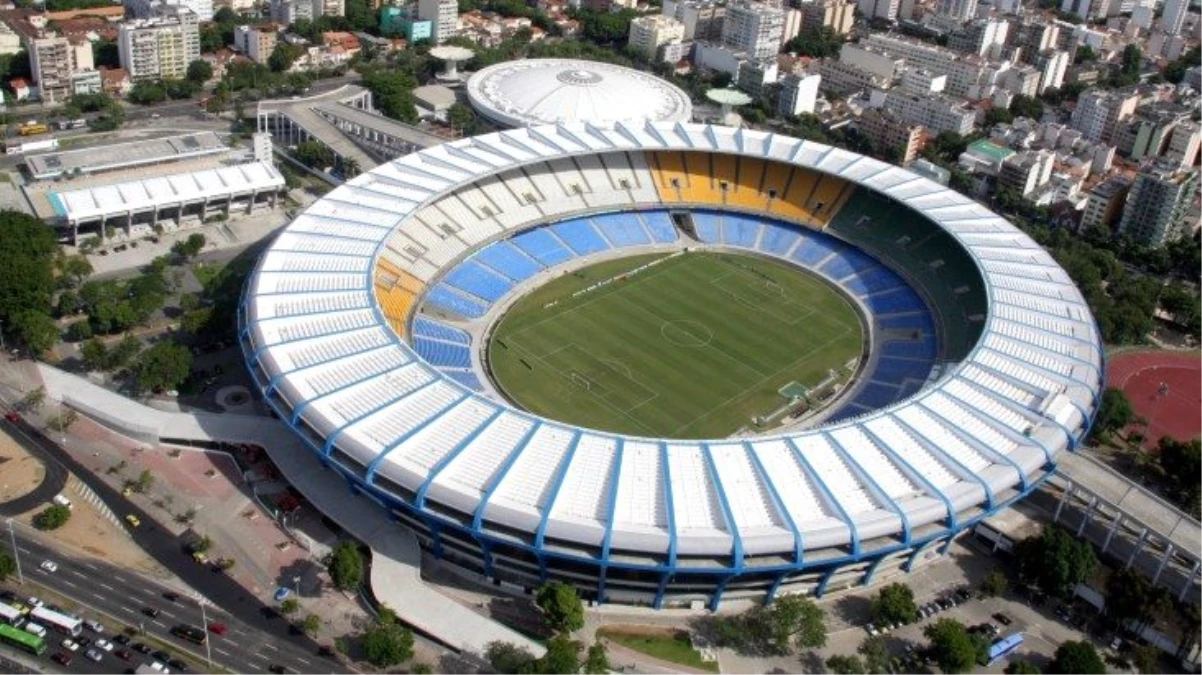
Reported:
(696, 346)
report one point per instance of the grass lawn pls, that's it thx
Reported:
(693, 347)
(666, 645)
(205, 273)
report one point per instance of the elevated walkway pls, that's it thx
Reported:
(396, 557)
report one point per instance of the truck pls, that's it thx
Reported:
(32, 128)
(79, 123)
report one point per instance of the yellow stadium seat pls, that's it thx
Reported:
(826, 193)
(703, 186)
(793, 205)
(746, 192)
(669, 175)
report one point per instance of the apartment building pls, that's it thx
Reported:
(53, 61)
(888, 132)
(149, 9)
(753, 28)
(1027, 171)
(1104, 206)
(159, 48)
(443, 16)
(256, 42)
(798, 94)
(1098, 113)
(1159, 205)
(649, 33)
(935, 112)
(838, 15)
(702, 19)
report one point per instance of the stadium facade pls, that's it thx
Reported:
(361, 336)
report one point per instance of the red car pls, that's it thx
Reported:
(12, 416)
(61, 658)
(124, 654)
(217, 628)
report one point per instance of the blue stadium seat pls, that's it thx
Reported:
(921, 349)
(778, 239)
(580, 236)
(707, 226)
(660, 224)
(896, 370)
(895, 302)
(540, 245)
(873, 280)
(876, 395)
(839, 267)
(465, 377)
(739, 231)
(921, 322)
(504, 258)
(622, 229)
(442, 297)
(478, 280)
(815, 248)
(439, 353)
(424, 327)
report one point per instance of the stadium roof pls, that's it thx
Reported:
(124, 155)
(164, 191)
(317, 340)
(545, 91)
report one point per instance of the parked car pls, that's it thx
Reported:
(281, 593)
(140, 648)
(177, 664)
(133, 520)
(172, 596)
(121, 639)
(217, 628)
(151, 612)
(62, 659)
(94, 655)
(124, 654)
(70, 645)
(1002, 619)
(104, 644)
(94, 626)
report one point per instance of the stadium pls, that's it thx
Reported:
(507, 342)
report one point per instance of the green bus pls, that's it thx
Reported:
(21, 640)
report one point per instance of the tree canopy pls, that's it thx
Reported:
(842, 664)
(894, 604)
(387, 642)
(818, 42)
(1115, 411)
(52, 517)
(1180, 464)
(8, 564)
(875, 653)
(561, 606)
(1077, 657)
(953, 647)
(1022, 667)
(26, 267)
(346, 566)
(1056, 561)
(164, 366)
(791, 621)
(200, 71)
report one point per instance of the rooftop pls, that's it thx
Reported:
(123, 155)
(991, 150)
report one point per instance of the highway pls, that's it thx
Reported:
(253, 642)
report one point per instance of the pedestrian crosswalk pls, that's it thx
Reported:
(87, 494)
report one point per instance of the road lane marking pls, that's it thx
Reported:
(158, 623)
(107, 587)
(271, 646)
(231, 642)
(128, 610)
(219, 650)
(68, 583)
(304, 661)
(91, 566)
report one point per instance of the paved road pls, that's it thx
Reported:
(118, 599)
(52, 483)
(274, 639)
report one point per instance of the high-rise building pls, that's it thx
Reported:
(933, 111)
(149, 9)
(1052, 64)
(1026, 171)
(1105, 204)
(1099, 112)
(957, 10)
(1160, 200)
(753, 28)
(1174, 16)
(404, 21)
(443, 16)
(1185, 145)
(288, 12)
(649, 33)
(891, 133)
(51, 60)
(879, 9)
(702, 19)
(838, 15)
(798, 94)
(160, 48)
(257, 42)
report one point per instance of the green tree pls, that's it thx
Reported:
(894, 604)
(508, 658)
(994, 584)
(953, 647)
(387, 643)
(563, 656)
(1085, 54)
(52, 517)
(1022, 667)
(460, 116)
(845, 665)
(1026, 106)
(818, 42)
(1147, 659)
(36, 329)
(145, 481)
(8, 565)
(314, 155)
(311, 624)
(186, 249)
(164, 366)
(26, 266)
(561, 606)
(596, 660)
(283, 56)
(1181, 462)
(79, 331)
(147, 93)
(1115, 411)
(76, 268)
(200, 71)
(123, 353)
(875, 653)
(1056, 561)
(34, 399)
(346, 566)
(1077, 657)
(290, 606)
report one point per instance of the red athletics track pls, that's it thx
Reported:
(1140, 375)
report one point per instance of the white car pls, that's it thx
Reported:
(70, 645)
(49, 566)
(33, 602)
(158, 667)
(104, 644)
(94, 655)
(94, 626)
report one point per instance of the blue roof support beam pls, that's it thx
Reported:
(670, 569)
(872, 487)
(610, 510)
(777, 502)
(271, 384)
(853, 533)
(419, 500)
(328, 448)
(954, 429)
(478, 515)
(727, 514)
(916, 476)
(557, 484)
(946, 459)
(371, 467)
(296, 413)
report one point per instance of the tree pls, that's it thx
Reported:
(1077, 657)
(147, 93)
(186, 249)
(1022, 667)
(283, 56)
(79, 331)
(795, 619)
(145, 481)
(1177, 460)
(894, 604)
(563, 656)
(387, 643)
(1146, 659)
(994, 584)
(1085, 54)
(76, 268)
(290, 606)
(953, 647)
(596, 661)
(34, 399)
(52, 517)
(164, 366)
(875, 653)
(200, 71)
(8, 565)
(845, 665)
(561, 606)
(314, 155)
(508, 658)
(1115, 411)
(26, 267)
(817, 42)
(346, 566)
(1026, 106)
(311, 624)
(123, 353)
(1056, 561)
(460, 116)
(36, 329)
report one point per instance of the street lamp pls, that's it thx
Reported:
(204, 626)
(296, 584)
(16, 553)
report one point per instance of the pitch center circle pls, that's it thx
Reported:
(686, 333)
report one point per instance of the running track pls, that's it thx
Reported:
(1140, 375)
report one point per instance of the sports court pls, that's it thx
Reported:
(1165, 388)
(694, 345)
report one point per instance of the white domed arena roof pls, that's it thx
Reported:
(548, 91)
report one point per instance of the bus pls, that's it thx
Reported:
(190, 633)
(58, 621)
(32, 128)
(1000, 648)
(28, 642)
(9, 614)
